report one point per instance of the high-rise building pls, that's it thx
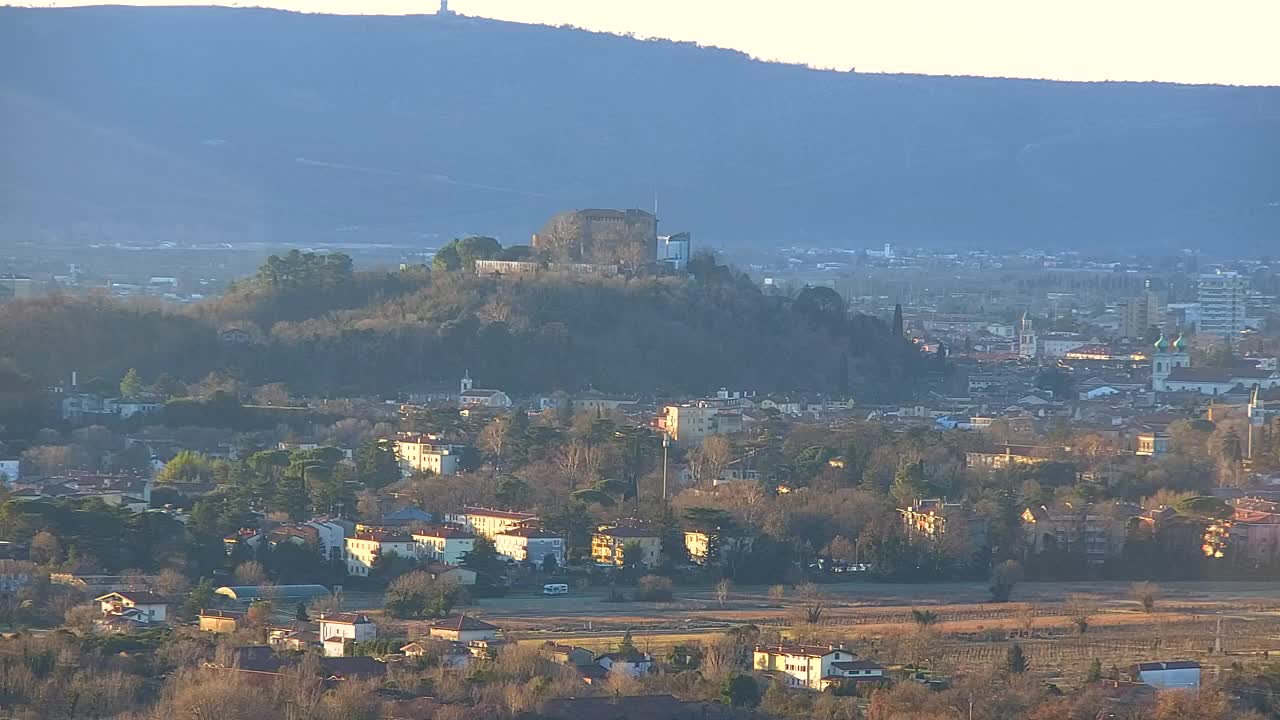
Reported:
(1141, 313)
(1222, 298)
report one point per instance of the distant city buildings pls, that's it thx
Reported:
(1223, 301)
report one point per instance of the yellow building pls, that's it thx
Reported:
(607, 544)
(697, 544)
(220, 621)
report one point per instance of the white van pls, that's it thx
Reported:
(555, 589)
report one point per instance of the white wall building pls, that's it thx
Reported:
(444, 544)
(530, 545)
(337, 629)
(145, 607)
(1223, 301)
(419, 453)
(483, 521)
(813, 666)
(363, 548)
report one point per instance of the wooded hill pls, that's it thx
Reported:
(333, 331)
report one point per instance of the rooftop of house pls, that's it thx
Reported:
(383, 536)
(531, 533)
(445, 532)
(462, 622)
(857, 665)
(632, 531)
(228, 614)
(804, 650)
(502, 514)
(1169, 665)
(346, 618)
(137, 597)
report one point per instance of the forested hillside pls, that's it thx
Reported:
(238, 124)
(318, 327)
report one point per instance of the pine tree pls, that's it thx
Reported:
(897, 321)
(1015, 662)
(131, 385)
(1095, 671)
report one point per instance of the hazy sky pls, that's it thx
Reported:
(1196, 41)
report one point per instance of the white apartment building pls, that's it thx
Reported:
(363, 548)
(688, 425)
(444, 544)
(1222, 297)
(419, 453)
(526, 544)
(486, 522)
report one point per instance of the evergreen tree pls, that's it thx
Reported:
(1095, 671)
(131, 385)
(300, 613)
(897, 328)
(376, 464)
(1015, 661)
(291, 495)
(740, 691)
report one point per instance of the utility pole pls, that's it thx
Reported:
(666, 442)
(1217, 637)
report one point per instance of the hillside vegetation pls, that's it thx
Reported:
(246, 124)
(336, 331)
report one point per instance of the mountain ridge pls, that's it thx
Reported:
(305, 127)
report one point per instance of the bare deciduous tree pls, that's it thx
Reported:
(723, 588)
(579, 462)
(812, 602)
(250, 572)
(562, 237)
(1146, 593)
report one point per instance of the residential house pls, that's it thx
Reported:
(450, 573)
(145, 607)
(628, 663)
(447, 545)
(813, 666)
(566, 654)
(463, 628)
(488, 522)
(295, 636)
(608, 541)
(221, 621)
(338, 629)
(530, 545)
(420, 453)
(363, 548)
(1154, 444)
